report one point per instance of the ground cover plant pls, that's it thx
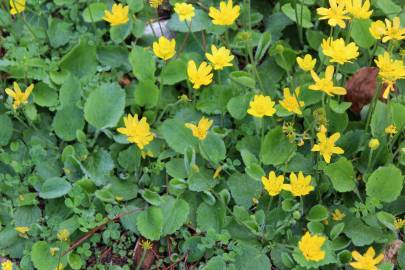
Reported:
(207, 134)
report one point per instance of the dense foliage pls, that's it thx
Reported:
(205, 134)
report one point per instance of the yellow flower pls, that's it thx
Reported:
(326, 145)
(359, 10)
(155, 3)
(311, 247)
(17, 6)
(164, 49)
(399, 223)
(335, 15)
(307, 63)
(391, 130)
(299, 186)
(394, 30)
(7, 265)
(146, 244)
(261, 106)
(338, 51)
(19, 97)
(217, 172)
(137, 131)
(201, 76)
(337, 215)
(63, 235)
(53, 250)
(291, 103)
(377, 29)
(273, 184)
(184, 11)
(373, 144)
(220, 58)
(60, 266)
(390, 70)
(226, 15)
(326, 84)
(22, 230)
(200, 131)
(117, 16)
(366, 261)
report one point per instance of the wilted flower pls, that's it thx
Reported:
(201, 76)
(311, 247)
(399, 223)
(19, 97)
(359, 10)
(326, 146)
(137, 131)
(200, 131)
(273, 184)
(335, 15)
(220, 58)
(226, 15)
(184, 11)
(164, 48)
(366, 261)
(63, 235)
(117, 16)
(17, 6)
(299, 186)
(326, 84)
(391, 130)
(22, 230)
(338, 51)
(261, 106)
(307, 63)
(291, 102)
(337, 215)
(146, 244)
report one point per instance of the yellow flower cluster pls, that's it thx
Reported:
(300, 185)
(390, 71)
(390, 30)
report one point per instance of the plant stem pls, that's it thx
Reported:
(373, 104)
(142, 259)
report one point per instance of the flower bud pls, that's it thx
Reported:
(373, 144)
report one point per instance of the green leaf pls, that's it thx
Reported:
(380, 119)
(238, 106)
(175, 213)
(173, 72)
(113, 56)
(214, 98)
(150, 223)
(398, 115)
(143, 64)
(342, 175)
(67, 121)
(251, 257)
(289, 10)
(80, 60)
(263, 47)
(318, 213)
(70, 92)
(244, 189)
(177, 136)
(276, 148)
(215, 263)
(385, 183)
(387, 220)
(200, 22)
(98, 166)
(336, 230)
(125, 189)
(146, 94)
(361, 234)
(120, 32)
(388, 7)
(202, 180)
(54, 187)
(6, 129)
(42, 258)
(213, 148)
(44, 95)
(211, 216)
(94, 12)
(176, 169)
(243, 78)
(339, 107)
(105, 106)
(59, 32)
(361, 34)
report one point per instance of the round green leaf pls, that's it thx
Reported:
(342, 175)
(385, 183)
(318, 213)
(6, 129)
(94, 12)
(150, 223)
(67, 121)
(213, 148)
(276, 148)
(105, 106)
(54, 187)
(175, 213)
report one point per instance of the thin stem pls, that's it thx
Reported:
(193, 35)
(142, 259)
(373, 104)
